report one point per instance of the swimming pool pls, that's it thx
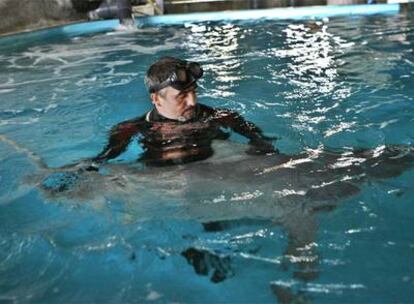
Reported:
(342, 82)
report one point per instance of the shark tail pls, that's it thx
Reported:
(32, 156)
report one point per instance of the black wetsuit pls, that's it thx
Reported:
(166, 141)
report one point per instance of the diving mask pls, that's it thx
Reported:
(184, 76)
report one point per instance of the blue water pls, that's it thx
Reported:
(343, 82)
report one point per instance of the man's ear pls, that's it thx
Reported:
(155, 99)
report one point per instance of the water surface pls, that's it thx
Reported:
(346, 82)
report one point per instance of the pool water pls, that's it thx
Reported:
(343, 82)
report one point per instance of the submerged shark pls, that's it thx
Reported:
(231, 186)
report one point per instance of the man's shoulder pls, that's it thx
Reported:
(213, 110)
(133, 124)
(205, 108)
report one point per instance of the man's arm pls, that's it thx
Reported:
(119, 139)
(259, 143)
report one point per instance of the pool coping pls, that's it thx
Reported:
(289, 13)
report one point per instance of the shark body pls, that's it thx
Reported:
(231, 184)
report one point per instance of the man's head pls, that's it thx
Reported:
(172, 83)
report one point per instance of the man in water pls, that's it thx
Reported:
(178, 129)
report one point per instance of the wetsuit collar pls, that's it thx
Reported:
(155, 116)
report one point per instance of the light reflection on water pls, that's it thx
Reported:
(337, 83)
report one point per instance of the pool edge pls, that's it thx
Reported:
(289, 13)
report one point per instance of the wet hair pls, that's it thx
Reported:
(159, 71)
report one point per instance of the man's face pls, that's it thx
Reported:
(174, 104)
